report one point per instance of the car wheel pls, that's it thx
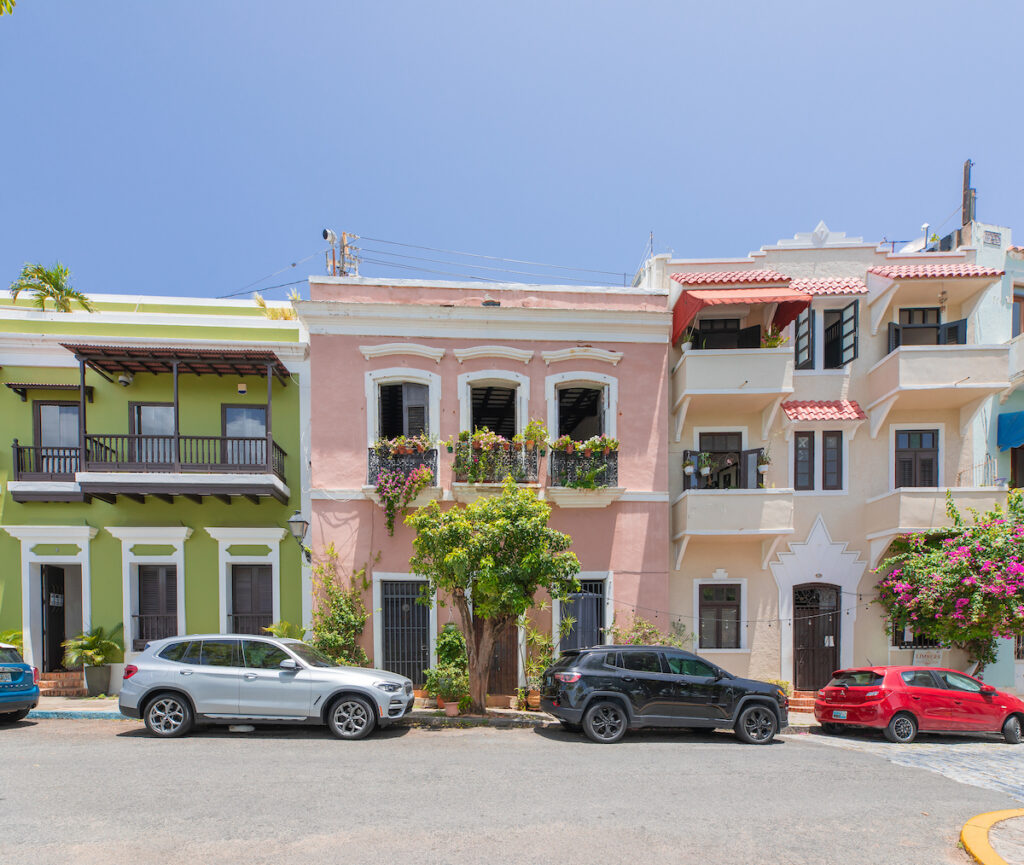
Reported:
(351, 718)
(13, 717)
(168, 716)
(605, 722)
(832, 729)
(757, 725)
(1012, 731)
(572, 728)
(901, 729)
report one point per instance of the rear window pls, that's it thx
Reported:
(567, 659)
(174, 652)
(10, 656)
(856, 679)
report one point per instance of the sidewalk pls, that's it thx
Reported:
(106, 709)
(995, 838)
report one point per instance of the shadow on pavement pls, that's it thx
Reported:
(19, 725)
(867, 734)
(267, 731)
(651, 734)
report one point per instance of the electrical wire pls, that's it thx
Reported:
(246, 288)
(265, 288)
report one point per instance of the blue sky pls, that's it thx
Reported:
(193, 148)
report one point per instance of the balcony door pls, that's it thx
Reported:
(924, 326)
(731, 466)
(56, 437)
(153, 427)
(917, 458)
(245, 431)
(158, 604)
(402, 409)
(252, 598)
(494, 407)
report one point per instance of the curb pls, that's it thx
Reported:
(974, 835)
(76, 715)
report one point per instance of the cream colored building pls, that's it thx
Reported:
(877, 402)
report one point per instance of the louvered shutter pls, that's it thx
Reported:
(170, 591)
(414, 398)
(804, 339)
(748, 469)
(926, 474)
(904, 470)
(691, 482)
(894, 336)
(149, 590)
(953, 333)
(242, 589)
(849, 343)
(749, 337)
(264, 590)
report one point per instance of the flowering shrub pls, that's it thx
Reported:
(396, 490)
(962, 586)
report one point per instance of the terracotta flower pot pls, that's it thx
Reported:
(533, 700)
(587, 452)
(606, 451)
(451, 709)
(529, 444)
(478, 445)
(569, 449)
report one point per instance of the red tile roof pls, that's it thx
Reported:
(830, 285)
(933, 271)
(840, 409)
(731, 277)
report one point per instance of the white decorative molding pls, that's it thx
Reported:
(721, 577)
(503, 351)
(609, 607)
(378, 616)
(129, 536)
(227, 536)
(569, 497)
(400, 375)
(581, 352)
(389, 348)
(502, 378)
(427, 494)
(31, 584)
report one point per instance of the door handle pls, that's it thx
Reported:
(251, 676)
(958, 702)
(914, 698)
(184, 672)
(628, 679)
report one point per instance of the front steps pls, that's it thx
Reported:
(62, 684)
(802, 701)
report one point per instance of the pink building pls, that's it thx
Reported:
(410, 358)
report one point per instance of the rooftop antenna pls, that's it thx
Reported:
(970, 198)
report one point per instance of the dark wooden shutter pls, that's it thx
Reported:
(390, 418)
(749, 337)
(749, 476)
(894, 336)
(832, 461)
(414, 397)
(804, 339)
(849, 347)
(691, 482)
(149, 591)
(242, 590)
(803, 461)
(262, 577)
(925, 469)
(953, 332)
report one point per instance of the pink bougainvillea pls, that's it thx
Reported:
(397, 489)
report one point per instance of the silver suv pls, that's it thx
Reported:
(235, 679)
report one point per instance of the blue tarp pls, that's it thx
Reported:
(1010, 432)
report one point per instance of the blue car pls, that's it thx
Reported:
(19, 688)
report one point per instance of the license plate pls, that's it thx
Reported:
(5, 677)
(839, 714)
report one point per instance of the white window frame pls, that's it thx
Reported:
(256, 536)
(401, 375)
(917, 425)
(609, 606)
(724, 581)
(818, 429)
(499, 378)
(378, 614)
(720, 428)
(608, 383)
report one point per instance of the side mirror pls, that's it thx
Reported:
(987, 689)
(289, 665)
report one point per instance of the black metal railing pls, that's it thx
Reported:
(44, 463)
(904, 639)
(250, 623)
(150, 627)
(1018, 648)
(492, 466)
(576, 469)
(377, 462)
(151, 453)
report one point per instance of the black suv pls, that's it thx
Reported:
(609, 689)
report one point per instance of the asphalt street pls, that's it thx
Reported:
(103, 791)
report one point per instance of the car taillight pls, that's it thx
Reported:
(130, 670)
(35, 675)
(821, 693)
(880, 692)
(567, 678)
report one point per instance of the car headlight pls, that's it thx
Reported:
(389, 687)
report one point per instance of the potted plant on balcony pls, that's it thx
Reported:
(535, 434)
(94, 651)
(564, 444)
(688, 467)
(705, 462)
(686, 340)
(773, 338)
(606, 444)
(763, 461)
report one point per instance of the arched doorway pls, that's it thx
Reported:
(816, 611)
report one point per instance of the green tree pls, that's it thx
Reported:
(50, 284)
(340, 615)
(7, 7)
(962, 586)
(499, 551)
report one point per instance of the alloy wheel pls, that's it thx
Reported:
(351, 717)
(166, 716)
(903, 728)
(607, 722)
(759, 724)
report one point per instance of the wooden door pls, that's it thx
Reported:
(503, 678)
(252, 602)
(54, 629)
(815, 635)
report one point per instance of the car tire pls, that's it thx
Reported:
(756, 725)
(901, 729)
(832, 729)
(14, 717)
(351, 718)
(605, 722)
(168, 716)
(1012, 730)
(570, 727)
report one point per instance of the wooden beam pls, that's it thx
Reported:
(192, 497)
(163, 497)
(103, 497)
(135, 497)
(222, 498)
(254, 499)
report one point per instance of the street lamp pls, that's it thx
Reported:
(298, 527)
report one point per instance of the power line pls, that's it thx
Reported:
(424, 269)
(245, 288)
(265, 288)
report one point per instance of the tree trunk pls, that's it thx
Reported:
(479, 645)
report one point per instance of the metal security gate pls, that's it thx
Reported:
(406, 624)
(815, 635)
(587, 608)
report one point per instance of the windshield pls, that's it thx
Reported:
(311, 656)
(10, 656)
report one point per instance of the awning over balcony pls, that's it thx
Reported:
(790, 303)
(115, 359)
(1010, 432)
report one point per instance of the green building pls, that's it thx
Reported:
(155, 453)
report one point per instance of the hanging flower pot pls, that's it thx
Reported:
(450, 448)
(705, 470)
(688, 470)
(763, 468)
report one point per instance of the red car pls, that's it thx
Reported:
(903, 700)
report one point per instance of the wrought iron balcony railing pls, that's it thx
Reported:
(405, 463)
(578, 470)
(492, 466)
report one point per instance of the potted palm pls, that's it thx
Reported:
(94, 651)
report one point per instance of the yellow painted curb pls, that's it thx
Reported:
(974, 835)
